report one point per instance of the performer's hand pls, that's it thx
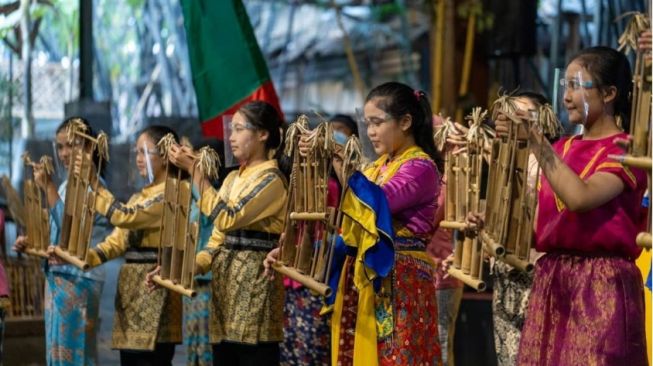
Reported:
(20, 244)
(77, 167)
(53, 258)
(149, 279)
(445, 264)
(270, 260)
(624, 143)
(457, 136)
(503, 122)
(475, 221)
(304, 145)
(182, 157)
(41, 177)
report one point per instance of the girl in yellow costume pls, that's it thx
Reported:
(393, 322)
(248, 213)
(146, 326)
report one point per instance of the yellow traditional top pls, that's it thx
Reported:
(137, 223)
(252, 198)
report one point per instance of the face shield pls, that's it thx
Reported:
(229, 160)
(366, 144)
(60, 172)
(140, 162)
(572, 97)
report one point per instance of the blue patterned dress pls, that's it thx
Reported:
(72, 301)
(197, 310)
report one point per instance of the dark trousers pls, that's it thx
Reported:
(238, 354)
(161, 356)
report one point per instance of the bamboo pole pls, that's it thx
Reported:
(307, 281)
(475, 283)
(174, 287)
(71, 258)
(467, 62)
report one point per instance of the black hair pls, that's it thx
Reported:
(398, 100)
(347, 121)
(89, 131)
(156, 133)
(609, 67)
(264, 116)
(536, 98)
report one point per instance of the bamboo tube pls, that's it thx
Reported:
(467, 61)
(640, 162)
(475, 283)
(71, 259)
(453, 225)
(477, 253)
(174, 287)
(466, 264)
(438, 46)
(307, 281)
(644, 240)
(303, 264)
(79, 202)
(458, 251)
(37, 252)
(491, 246)
(308, 216)
(450, 213)
(167, 226)
(520, 264)
(322, 260)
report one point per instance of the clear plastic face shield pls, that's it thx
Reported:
(60, 170)
(369, 153)
(236, 143)
(573, 96)
(140, 163)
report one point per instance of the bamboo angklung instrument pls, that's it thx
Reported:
(81, 190)
(26, 281)
(639, 155)
(510, 200)
(14, 203)
(306, 251)
(464, 171)
(37, 216)
(179, 229)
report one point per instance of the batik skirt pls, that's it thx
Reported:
(142, 317)
(306, 333)
(72, 305)
(512, 288)
(584, 311)
(196, 326)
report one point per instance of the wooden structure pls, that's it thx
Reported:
(463, 173)
(81, 190)
(639, 154)
(179, 228)
(306, 251)
(37, 215)
(511, 192)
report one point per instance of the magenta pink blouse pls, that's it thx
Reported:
(610, 229)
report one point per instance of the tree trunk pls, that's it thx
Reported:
(27, 125)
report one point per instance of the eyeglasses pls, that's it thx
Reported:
(144, 151)
(237, 127)
(376, 121)
(575, 84)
